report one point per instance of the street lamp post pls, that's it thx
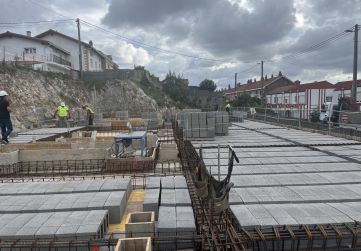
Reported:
(355, 48)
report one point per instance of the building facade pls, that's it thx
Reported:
(92, 59)
(255, 88)
(35, 52)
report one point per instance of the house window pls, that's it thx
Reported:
(91, 63)
(285, 101)
(275, 100)
(30, 50)
(329, 99)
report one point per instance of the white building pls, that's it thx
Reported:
(301, 98)
(92, 59)
(28, 50)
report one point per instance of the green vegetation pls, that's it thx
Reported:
(208, 85)
(176, 90)
(246, 100)
(315, 115)
(153, 91)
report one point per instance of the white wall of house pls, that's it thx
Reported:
(13, 48)
(22, 49)
(90, 59)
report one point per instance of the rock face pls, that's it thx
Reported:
(124, 95)
(35, 96)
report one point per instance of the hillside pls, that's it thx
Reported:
(35, 95)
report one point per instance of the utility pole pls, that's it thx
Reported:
(262, 93)
(80, 54)
(354, 81)
(235, 81)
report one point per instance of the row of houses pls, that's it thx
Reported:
(53, 51)
(282, 93)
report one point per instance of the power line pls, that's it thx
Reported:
(47, 8)
(152, 46)
(36, 22)
(312, 48)
(248, 69)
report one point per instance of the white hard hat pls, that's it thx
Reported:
(3, 93)
(62, 104)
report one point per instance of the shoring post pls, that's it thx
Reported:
(329, 122)
(219, 162)
(265, 114)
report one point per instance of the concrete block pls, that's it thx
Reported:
(89, 231)
(167, 222)
(46, 232)
(182, 197)
(184, 213)
(211, 122)
(195, 120)
(66, 231)
(140, 224)
(151, 201)
(180, 182)
(195, 133)
(168, 197)
(186, 227)
(153, 182)
(167, 182)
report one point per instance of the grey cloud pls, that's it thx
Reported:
(146, 13)
(227, 29)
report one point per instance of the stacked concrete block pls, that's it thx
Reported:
(62, 187)
(167, 221)
(167, 182)
(222, 123)
(153, 119)
(176, 221)
(122, 115)
(198, 125)
(182, 197)
(185, 219)
(114, 202)
(180, 182)
(151, 201)
(153, 182)
(77, 224)
(175, 197)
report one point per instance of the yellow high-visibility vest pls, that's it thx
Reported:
(63, 111)
(89, 110)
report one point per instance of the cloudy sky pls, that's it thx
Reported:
(207, 38)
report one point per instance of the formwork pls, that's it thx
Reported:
(253, 224)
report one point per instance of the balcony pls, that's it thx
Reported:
(60, 60)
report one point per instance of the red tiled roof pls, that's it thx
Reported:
(35, 39)
(303, 87)
(253, 85)
(315, 85)
(346, 85)
(52, 32)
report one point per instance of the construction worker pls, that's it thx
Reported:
(63, 115)
(89, 114)
(228, 108)
(5, 121)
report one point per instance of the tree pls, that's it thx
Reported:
(246, 100)
(208, 85)
(174, 87)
